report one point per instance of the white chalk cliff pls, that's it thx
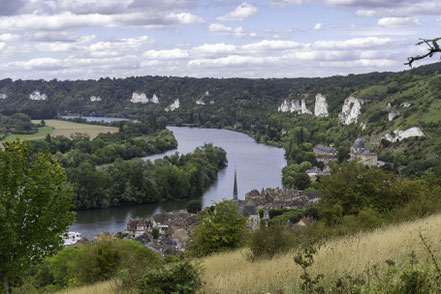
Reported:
(405, 104)
(294, 106)
(139, 98)
(351, 110)
(392, 115)
(37, 96)
(175, 105)
(200, 101)
(400, 135)
(95, 98)
(321, 106)
(154, 99)
(3, 96)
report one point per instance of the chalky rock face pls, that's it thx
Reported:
(200, 101)
(139, 98)
(175, 105)
(294, 106)
(3, 96)
(405, 104)
(95, 98)
(392, 115)
(351, 110)
(399, 135)
(388, 107)
(154, 99)
(321, 106)
(37, 96)
(303, 108)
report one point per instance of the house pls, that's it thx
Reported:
(252, 215)
(359, 153)
(314, 173)
(324, 154)
(138, 226)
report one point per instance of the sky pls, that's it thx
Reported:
(90, 39)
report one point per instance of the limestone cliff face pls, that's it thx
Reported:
(95, 98)
(154, 99)
(3, 96)
(392, 115)
(294, 106)
(321, 106)
(139, 98)
(175, 105)
(142, 98)
(399, 135)
(37, 96)
(351, 110)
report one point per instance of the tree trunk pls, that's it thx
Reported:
(6, 283)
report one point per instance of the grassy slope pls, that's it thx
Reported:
(232, 273)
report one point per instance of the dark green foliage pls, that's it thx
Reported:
(305, 259)
(92, 262)
(269, 241)
(35, 205)
(180, 278)
(194, 206)
(223, 228)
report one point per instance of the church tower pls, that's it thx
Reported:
(235, 198)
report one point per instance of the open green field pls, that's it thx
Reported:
(42, 132)
(62, 128)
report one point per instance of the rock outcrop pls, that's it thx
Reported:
(37, 96)
(3, 96)
(175, 105)
(399, 135)
(392, 115)
(154, 99)
(201, 101)
(294, 106)
(321, 106)
(95, 98)
(405, 104)
(351, 110)
(139, 98)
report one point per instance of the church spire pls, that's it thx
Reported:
(235, 186)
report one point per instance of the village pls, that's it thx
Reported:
(168, 232)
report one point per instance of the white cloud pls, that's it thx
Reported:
(241, 12)
(356, 43)
(237, 32)
(317, 26)
(266, 45)
(395, 22)
(9, 37)
(214, 49)
(166, 54)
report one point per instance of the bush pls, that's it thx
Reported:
(268, 241)
(194, 206)
(181, 277)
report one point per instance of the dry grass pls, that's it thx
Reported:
(98, 288)
(67, 128)
(232, 273)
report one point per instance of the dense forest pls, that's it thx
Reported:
(107, 171)
(251, 106)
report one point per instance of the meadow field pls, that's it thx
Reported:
(62, 128)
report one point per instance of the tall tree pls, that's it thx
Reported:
(221, 229)
(35, 207)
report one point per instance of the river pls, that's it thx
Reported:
(258, 166)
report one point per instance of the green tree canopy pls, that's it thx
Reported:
(221, 229)
(35, 207)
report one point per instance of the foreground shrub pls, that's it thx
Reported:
(268, 241)
(181, 277)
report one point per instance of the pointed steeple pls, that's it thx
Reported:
(235, 186)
